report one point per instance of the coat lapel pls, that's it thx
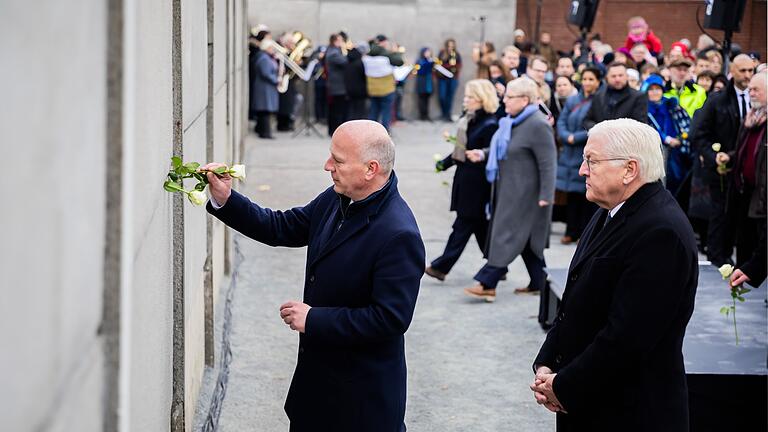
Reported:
(599, 239)
(348, 229)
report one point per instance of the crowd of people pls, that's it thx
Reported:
(632, 147)
(710, 121)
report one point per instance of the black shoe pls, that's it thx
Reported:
(435, 273)
(267, 136)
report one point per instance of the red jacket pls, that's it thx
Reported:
(651, 41)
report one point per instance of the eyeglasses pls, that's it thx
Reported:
(591, 162)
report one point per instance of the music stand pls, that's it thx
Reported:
(308, 125)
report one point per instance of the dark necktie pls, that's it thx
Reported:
(743, 106)
(607, 219)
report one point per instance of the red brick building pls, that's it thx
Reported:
(670, 20)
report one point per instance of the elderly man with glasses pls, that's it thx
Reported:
(613, 359)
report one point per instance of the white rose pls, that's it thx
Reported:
(197, 197)
(726, 270)
(237, 171)
(716, 147)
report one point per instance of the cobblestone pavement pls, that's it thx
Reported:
(469, 362)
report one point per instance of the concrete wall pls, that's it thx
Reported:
(52, 129)
(411, 23)
(87, 317)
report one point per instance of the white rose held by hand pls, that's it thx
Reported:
(725, 270)
(197, 197)
(237, 171)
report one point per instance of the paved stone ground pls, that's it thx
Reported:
(469, 362)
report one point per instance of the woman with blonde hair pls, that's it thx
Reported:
(471, 191)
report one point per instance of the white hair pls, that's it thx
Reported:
(630, 139)
(524, 86)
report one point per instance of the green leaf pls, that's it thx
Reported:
(171, 186)
(741, 299)
(220, 170)
(176, 162)
(192, 166)
(724, 310)
(200, 186)
(173, 176)
(200, 177)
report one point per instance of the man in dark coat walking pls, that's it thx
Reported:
(617, 99)
(613, 359)
(365, 260)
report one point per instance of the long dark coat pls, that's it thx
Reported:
(526, 176)
(264, 95)
(616, 344)
(471, 191)
(364, 266)
(718, 121)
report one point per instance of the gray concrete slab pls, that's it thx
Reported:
(469, 362)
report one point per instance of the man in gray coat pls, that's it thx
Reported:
(521, 166)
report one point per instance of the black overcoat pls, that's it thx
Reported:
(471, 190)
(717, 121)
(630, 103)
(364, 266)
(616, 344)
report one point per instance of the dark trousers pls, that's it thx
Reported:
(424, 106)
(446, 88)
(719, 234)
(578, 213)
(263, 127)
(463, 228)
(381, 109)
(746, 228)
(399, 93)
(489, 275)
(338, 110)
(357, 109)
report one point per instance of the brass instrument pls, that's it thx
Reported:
(292, 59)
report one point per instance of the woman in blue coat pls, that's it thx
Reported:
(672, 123)
(573, 136)
(471, 191)
(424, 85)
(264, 95)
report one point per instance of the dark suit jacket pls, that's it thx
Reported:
(629, 104)
(471, 191)
(617, 340)
(364, 266)
(717, 121)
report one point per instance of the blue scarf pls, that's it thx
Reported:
(500, 141)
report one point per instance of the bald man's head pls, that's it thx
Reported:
(362, 157)
(373, 142)
(742, 68)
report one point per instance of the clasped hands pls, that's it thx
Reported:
(543, 390)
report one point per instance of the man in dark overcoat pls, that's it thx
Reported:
(365, 260)
(718, 122)
(617, 99)
(613, 359)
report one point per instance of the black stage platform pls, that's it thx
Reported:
(727, 384)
